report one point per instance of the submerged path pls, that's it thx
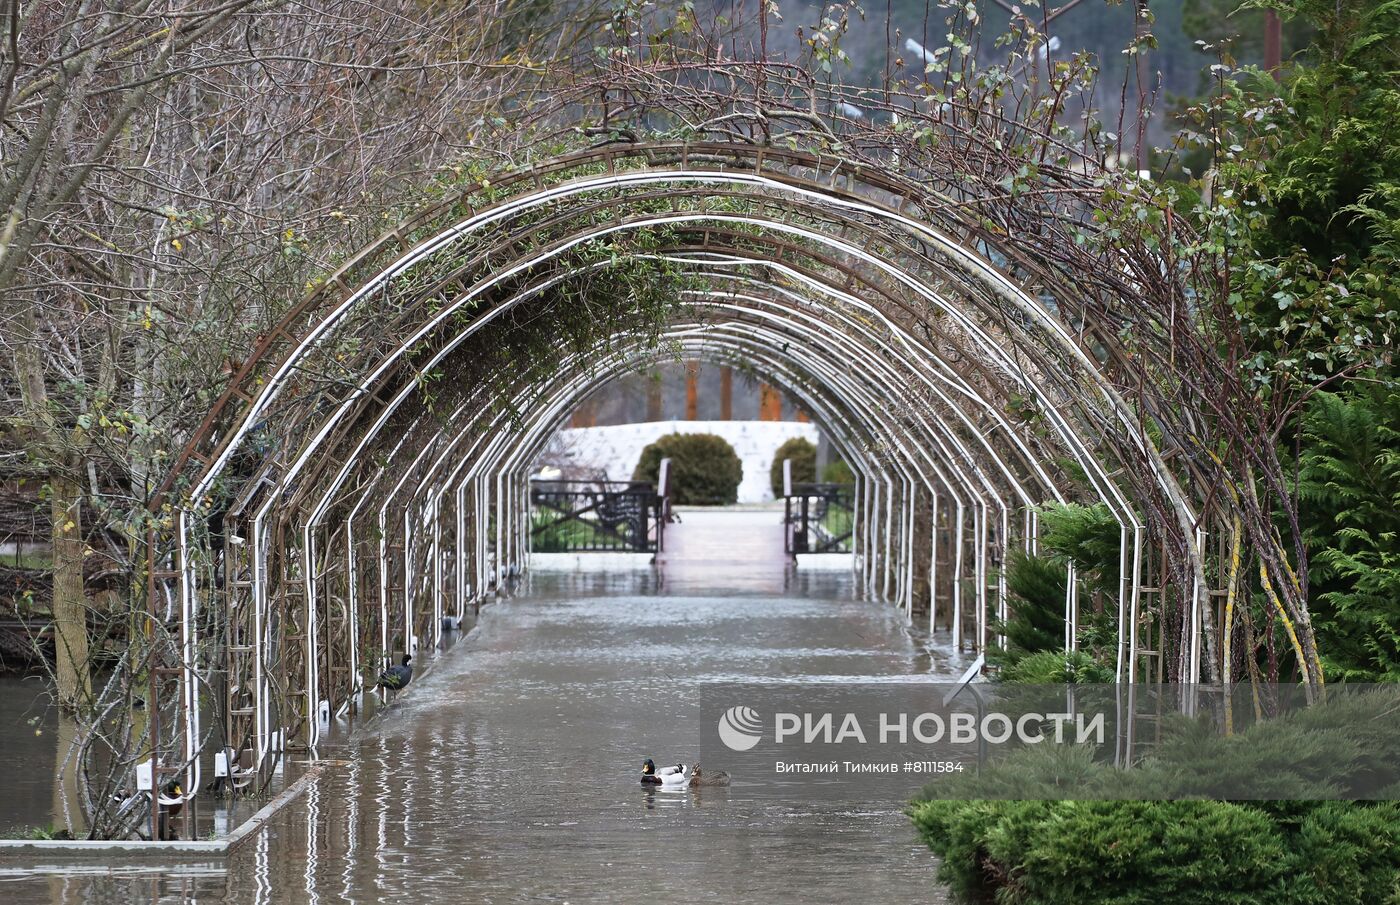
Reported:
(508, 772)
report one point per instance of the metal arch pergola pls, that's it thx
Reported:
(844, 285)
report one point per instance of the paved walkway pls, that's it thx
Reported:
(729, 548)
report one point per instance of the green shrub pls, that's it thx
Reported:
(1127, 852)
(705, 470)
(1037, 605)
(838, 472)
(1348, 853)
(961, 832)
(804, 464)
(1038, 852)
(1012, 831)
(1034, 648)
(1057, 667)
(1088, 536)
(1104, 852)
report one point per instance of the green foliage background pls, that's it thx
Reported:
(1295, 188)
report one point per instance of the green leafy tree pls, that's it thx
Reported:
(1304, 200)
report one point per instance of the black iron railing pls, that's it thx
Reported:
(819, 518)
(596, 516)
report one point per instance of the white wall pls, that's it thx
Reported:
(616, 448)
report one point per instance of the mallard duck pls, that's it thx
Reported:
(664, 776)
(717, 778)
(396, 678)
(676, 777)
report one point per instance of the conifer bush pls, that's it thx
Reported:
(1049, 824)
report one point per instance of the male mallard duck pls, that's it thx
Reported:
(671, 777)
(396, 678)
(717, 778)
(677, 777)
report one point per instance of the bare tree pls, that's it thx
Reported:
(173, 174)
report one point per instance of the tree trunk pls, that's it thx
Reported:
(1273, 43)
(69, 598)
(692, 391)
(68, 812)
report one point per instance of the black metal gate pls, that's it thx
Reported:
(819, 518)
(595, 516)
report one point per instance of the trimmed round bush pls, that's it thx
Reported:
(804, 464)
(838, 472)
(705, 470)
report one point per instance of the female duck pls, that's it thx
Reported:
(715, 778)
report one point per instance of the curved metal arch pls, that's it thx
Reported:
(311, 658)
(702, 328)
(436, 359)
(1064, 428)
(961, 446)
(785, 165)
(426, 479)
(1124, 570)
(1136, 530)
(1029, 306)
(853, 348)
(991, 411)
(309, 545)
(563, 401)
(444, 453)
(184, 514)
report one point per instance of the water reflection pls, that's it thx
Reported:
(28, 754)
(509, 773)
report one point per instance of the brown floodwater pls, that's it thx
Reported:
(508, 772)
(28, 754)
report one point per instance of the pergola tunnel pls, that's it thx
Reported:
(364, 481)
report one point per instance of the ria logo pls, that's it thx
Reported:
(740, 728)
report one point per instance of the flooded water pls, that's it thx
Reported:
(508, 773)
(28, 754)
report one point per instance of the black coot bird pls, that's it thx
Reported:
(396, 678)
